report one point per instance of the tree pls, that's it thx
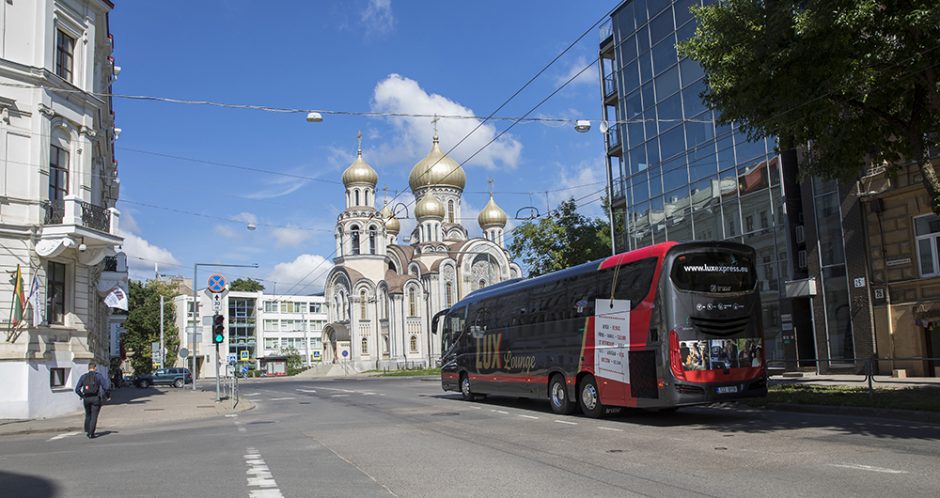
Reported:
(245, 285)
(564, 239)
(857, 80)
(143, 323)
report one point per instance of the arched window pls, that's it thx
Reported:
(448, 294)
(482, 284)
(414, 344)
(58, 172)
(363, 305)
(450, 211)
(357, 197)
(354, 236)
(365, 346)
(412, 302)
(367, 197)
(372, 235)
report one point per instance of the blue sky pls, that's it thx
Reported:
(187, 189)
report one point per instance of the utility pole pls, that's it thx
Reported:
(303, 316)
(162, 351)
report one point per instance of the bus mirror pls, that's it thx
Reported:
(476, 331)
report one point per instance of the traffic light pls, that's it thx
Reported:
(218, 329)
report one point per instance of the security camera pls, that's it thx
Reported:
(82, 247)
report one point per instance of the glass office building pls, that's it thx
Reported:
(675, 174)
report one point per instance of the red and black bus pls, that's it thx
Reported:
(669, 325)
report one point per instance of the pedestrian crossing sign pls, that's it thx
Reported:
(244, 355)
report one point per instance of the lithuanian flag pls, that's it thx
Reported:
(18, 309)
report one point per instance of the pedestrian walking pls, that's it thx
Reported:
(93, 388)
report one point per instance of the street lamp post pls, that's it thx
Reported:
(193, 342)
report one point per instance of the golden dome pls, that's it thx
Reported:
(492, 215)
(436, 169)
(392, 225)
(429, 206)
(360, 171)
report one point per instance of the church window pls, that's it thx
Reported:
(482, 284)
(449, 294)
(372, 235)
(357, 197)
(450, 211)
(414, 344)
(354, 236)
(365, 345)
(412, 302)
(363, 306)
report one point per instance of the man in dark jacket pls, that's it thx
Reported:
(93, 388)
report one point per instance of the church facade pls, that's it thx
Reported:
(382, 294)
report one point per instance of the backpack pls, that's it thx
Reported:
(90, 384)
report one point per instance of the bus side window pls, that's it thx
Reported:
(633, 281)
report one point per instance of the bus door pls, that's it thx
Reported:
(450, 322)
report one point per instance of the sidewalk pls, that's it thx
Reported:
(880, 381)
(133, 407)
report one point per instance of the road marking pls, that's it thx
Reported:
(529, 416)
(339, 396)
(64, 435)
(500, 412)
(231, 415)
(475, 407)
(253, 394)
(281, 399)
(566, 422)
(858, 466)
(307, 390)
(241, 429)
(259, 477)
(339, 390)
(610, 429)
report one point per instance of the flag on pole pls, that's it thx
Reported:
(117, 298)
(35, 300)
(19, 299)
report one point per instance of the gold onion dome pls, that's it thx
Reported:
(360, 171)
(392, 225)
(492, 215)
(429, 206)
(436, 169)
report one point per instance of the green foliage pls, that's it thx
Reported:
(856, 78)
(245, 285)
(143, 323)
(912, 398)
(295, 361)
(564, 239)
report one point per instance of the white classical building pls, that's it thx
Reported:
(260, 329)
(382, 294)
(58, 188)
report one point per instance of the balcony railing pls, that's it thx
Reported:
(616, 189)
(96, 217)
(110, 263)
(610, 86)
(613, 137)
(54, 211)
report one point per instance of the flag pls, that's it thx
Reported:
(35, 300)
(117, 298)
(19, 299)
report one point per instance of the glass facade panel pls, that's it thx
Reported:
(692, 98)
(661, 26)
(672, 141)
(631, 76)
(664, 54)
(829, 224)
(667, 83)
(838, 320)
(683, 12)
(691, 72)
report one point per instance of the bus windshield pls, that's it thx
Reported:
(714, 272)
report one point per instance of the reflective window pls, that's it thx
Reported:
(661, 26)
(675, 175)
(628, 48)
(839, 323)
(631, 77)
(691, 71)
(685, 31)
(670, 109)
(668, 82)
(683, 13)
(672, 142)
(692, 98)
(641, 190)
(664, 54)
(927, 230)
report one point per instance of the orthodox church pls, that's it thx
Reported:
(382, 294)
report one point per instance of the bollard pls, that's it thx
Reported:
(871, 378)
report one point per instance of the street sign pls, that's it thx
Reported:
(244, 355)
(216, 283)
(184, 353)
(345, 353)
(316, 355)
(232, 358)
(211, 295)
(244, 370)
(217, 302)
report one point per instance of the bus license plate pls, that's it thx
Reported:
(727, 389)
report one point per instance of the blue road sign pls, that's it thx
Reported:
(244, 369)
(232, 358)
(216, 283)
(345, 353)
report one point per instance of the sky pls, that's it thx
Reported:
(193, 177)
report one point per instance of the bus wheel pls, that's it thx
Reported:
(558, 396)
(589, 399)
(465, 388)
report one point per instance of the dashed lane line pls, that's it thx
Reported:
(261, 483)
(282, 399)
(312, 391)
(869, 468)
(64, 435)
(566, 422)
(529, 417)
(609, 429)
(501, 412)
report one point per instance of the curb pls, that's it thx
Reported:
(884, 413)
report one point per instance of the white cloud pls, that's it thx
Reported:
(585, 183)
(586, 77)
(277, 187)
(246, 217)
(291, 236)
(397, 94)
(224, 231)
(128, 223)
(142, 255)
(306, 274)
(377, 17)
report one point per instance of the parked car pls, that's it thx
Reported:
(176, 377)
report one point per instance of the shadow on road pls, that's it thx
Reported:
(730, 417)
(25, 486)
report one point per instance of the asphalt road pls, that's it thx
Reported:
(405, 437)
